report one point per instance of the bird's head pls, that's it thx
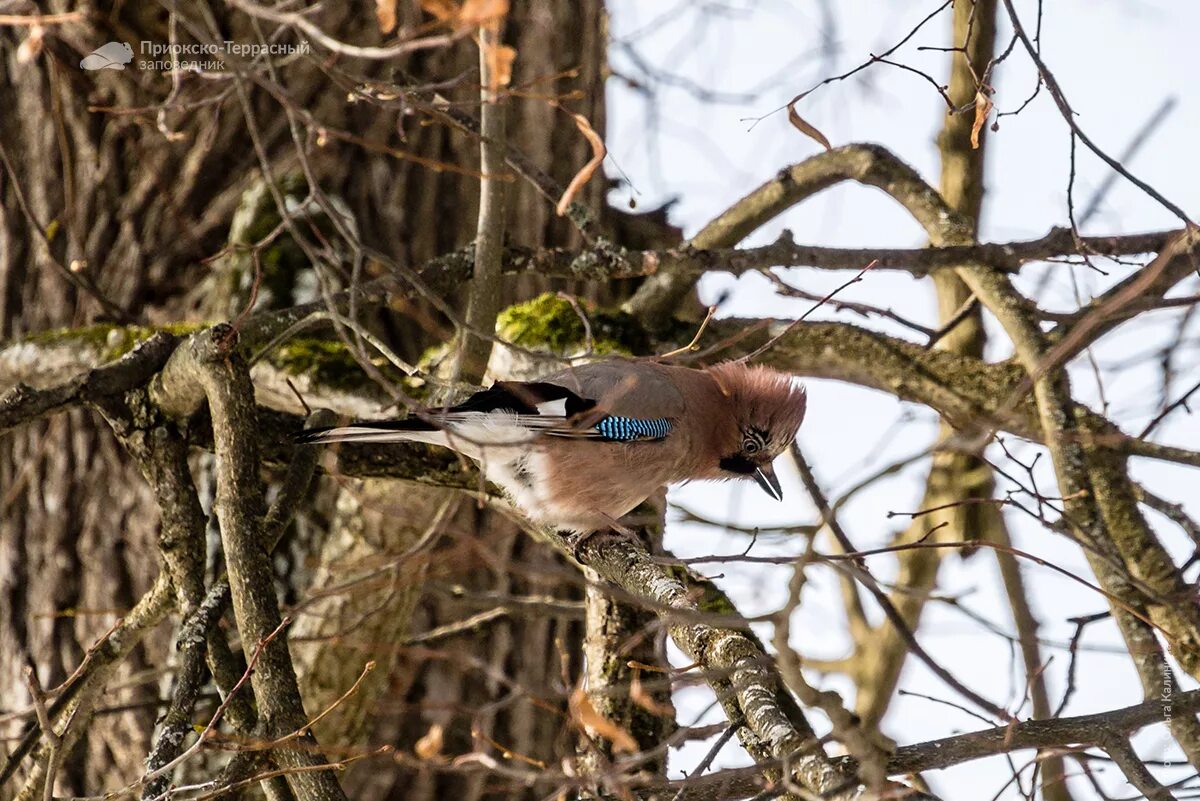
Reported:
(767, 408)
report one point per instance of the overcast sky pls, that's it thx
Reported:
(1118, 61)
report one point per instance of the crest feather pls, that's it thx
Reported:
(763, 396)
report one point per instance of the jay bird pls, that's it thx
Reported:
(583, 447)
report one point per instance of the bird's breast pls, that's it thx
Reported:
(581, 484)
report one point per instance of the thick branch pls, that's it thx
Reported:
(240, 509)
(725, 653)
(1069, 734)
(1076, 732)
(24, 404)
(676, 269)
(964, 390)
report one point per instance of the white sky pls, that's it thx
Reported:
(1117, 62)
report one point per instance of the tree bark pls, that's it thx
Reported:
(136, 211)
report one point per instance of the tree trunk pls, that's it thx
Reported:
(131, 205)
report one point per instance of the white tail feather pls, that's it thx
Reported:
(368, 434)
(466, 432)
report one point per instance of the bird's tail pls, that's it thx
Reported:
(410, 430)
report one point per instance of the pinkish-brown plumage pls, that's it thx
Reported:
(762, 398)
(582, 447)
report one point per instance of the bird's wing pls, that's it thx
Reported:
(609, 405)
(615, 401)
(625, 388)
(523, 398)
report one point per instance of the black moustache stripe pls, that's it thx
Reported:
(738, 464)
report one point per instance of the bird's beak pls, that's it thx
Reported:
(765, 476)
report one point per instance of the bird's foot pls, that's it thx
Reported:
(576, 540)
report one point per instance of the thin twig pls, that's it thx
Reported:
(791, 326)
(694, 345)
(53, 738)
(1068, 114)
(1178, 402)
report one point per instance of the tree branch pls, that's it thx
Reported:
(483, 303)
(23, 404)
(1067, 734)
(225, 380)
(723, 652)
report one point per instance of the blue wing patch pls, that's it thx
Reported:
(628, 429)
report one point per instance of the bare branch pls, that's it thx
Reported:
(225, 380)
(484, 300)
(725, 652)
(23, 404)
(1068, 114)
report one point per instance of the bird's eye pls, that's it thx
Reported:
(750, 446)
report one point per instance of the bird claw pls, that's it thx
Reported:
(577, 540)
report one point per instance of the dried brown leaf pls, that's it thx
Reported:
(639, 695)
(385, 14)
(586, 716)
(983, 107)
(475, 13)
(500, 63)
(803, 126)
(589, 169)
(430, 745)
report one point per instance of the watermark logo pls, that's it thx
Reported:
(185, 56)
(112, 56)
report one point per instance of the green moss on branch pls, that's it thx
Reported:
(551, 322)
(109, 340)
